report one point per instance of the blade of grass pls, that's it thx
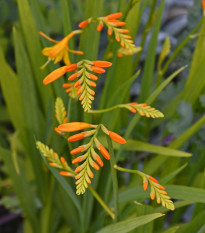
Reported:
(148, 71)
(130, 224)
(23, 191)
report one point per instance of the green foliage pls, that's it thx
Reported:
(170, 148)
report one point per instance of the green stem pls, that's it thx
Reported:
(128, 170)
(114, 177)
(103, 110)
(102, 203)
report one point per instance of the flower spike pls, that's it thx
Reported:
(88, 157)
(60, 51)
(83, 77)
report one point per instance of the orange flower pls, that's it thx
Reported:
(114, 15)
(60, 51)
(117, 138)
(56, 74)
(203, 5)
(74, 126)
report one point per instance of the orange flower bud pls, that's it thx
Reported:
(99, 160)
(56, 74)
(104, 152)
(153, 179)
(203, 5)
(83, 24)
(90, 174)
(74, 126)
(95, 166)
(78, 169)
(77, 137)
(77, 160)
(77, 84)
(133, 110)
(66, 85)
(117, 138)
(161, 187)
(109, 32)
(91, 83)
(73, 76)
(77, 150)
(122, 30)
(63, 161)
(91, 92)
(114, 15)
(152, 195)
(145, 185)
(93, 77)
(71, 67)
(102, 63)
(97, 69)
(64, 173)
(99, 27)
(117, 38)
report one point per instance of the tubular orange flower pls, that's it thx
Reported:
(73, 76)
(76, 137)
(153, 179)
(64, 173)
(74, 126)
(93, 77)
(104, 152)
(117, 138)
(203, 5)
(99, 27)
(114, 15)
(77, 150)
(97, 69)
(78, 160)
(145, 185)
(56, 74)
(83, 24)
(102, 63)
(60, 50)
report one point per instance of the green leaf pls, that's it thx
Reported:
(195, 225)
(130, 224)
(134, 145)
(34, 49)
(186, 193)
(173, 174)
(148, 72)
(22, 188)
(11, 91)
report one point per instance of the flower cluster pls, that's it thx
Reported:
(113, 23)
(89, 156)
(85, 79)
(143, 109)
(60, 51)
(158, 191)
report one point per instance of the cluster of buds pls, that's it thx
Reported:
(55, 160)
(113, 23)
(89, 157)
(143, 109)
(85, 79)
(158, 191)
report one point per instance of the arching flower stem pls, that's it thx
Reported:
(101, 202)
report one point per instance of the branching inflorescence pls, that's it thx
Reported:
(81, 84)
